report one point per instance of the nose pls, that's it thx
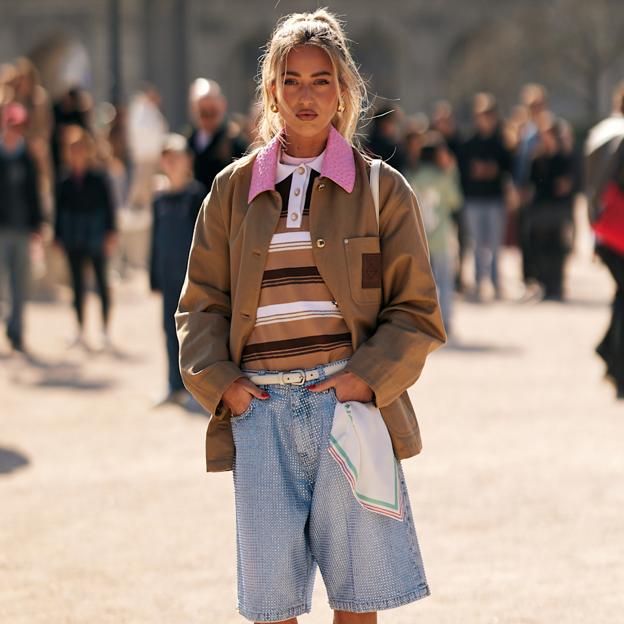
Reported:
(305, 95)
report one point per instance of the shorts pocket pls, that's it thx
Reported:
(243, 415)
(363, 257)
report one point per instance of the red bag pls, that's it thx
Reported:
(609, 227)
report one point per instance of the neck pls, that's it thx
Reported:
(11, 141)
(304, 146)
(178, 182)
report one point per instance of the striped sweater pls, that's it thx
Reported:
(298, 323)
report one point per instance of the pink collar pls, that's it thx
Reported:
(338, 164)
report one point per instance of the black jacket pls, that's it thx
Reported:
(20, 206)
(174, 216)
(84, 212)
(490, 150)
(218, 154)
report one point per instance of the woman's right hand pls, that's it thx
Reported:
(239, 394)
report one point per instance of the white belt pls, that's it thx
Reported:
(295, 377)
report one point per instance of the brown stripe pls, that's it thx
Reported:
(291, 275)
(270, 355)
(296, 343)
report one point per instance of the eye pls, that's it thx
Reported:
(321, 81)
(290, 81)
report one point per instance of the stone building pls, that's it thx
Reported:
(413, 51)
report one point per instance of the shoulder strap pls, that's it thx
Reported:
(374, 183)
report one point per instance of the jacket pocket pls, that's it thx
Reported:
(363, 256)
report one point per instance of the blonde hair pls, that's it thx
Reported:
(324, 30)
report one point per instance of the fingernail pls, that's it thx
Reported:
(265, 395)
(312, 387)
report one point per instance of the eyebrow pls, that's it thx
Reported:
(323, 72)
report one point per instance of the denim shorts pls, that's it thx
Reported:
(295, 510)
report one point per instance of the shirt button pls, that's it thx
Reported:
(301, 169)
(320, 242)
(321, 186)
(294, 216)
(297, 191)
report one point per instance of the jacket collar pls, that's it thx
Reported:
(338, 164)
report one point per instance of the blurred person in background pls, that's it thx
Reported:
(549, 212)
(214, 142)
(174, 214)
(20, 216)
(604, 179)
(443, 121)
(415, 129)
(437, 187)
(385, 138)
(485, 166)
(29, 92)
(534, 103)
(85, 226)
(74, 107)
(147, 128)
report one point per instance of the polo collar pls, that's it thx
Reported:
(338, 164)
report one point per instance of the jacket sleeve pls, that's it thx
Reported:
(154, 251)
(35, 216)
(108, 203)
(204, 310)
(410, 324)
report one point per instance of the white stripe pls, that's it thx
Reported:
(294, 316)
(291, 237)
(289, 241)
(295, 306)
(290, 247)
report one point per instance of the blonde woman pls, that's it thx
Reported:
(295, 299)
(84, 226)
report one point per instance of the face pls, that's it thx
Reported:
(309, 98)
(78, 155)
(175, 164)
(549, 141)
(210, 111)
(486, 122)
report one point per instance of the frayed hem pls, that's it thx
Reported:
(272, 616)
(380, 604)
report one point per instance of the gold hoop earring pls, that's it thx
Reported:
(274, 107)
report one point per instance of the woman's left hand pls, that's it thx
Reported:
(348, 387)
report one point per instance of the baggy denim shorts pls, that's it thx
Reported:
(295, 510)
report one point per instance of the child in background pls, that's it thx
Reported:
(174, 214)
(436, 184)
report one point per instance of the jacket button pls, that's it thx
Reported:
(320, 242)
(321, 186)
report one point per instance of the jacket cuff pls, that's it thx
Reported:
(209, 392)
(353, 367)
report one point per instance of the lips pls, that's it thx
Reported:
(307, 115)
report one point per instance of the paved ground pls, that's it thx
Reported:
(107, 516)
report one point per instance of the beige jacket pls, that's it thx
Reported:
(394, 316)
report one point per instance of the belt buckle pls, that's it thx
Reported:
(301, 372)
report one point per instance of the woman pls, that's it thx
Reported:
(85, 224)
(294, 301)
(550, 212)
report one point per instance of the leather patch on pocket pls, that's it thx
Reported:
(371, 270)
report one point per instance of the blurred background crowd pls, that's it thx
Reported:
(110, 186)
